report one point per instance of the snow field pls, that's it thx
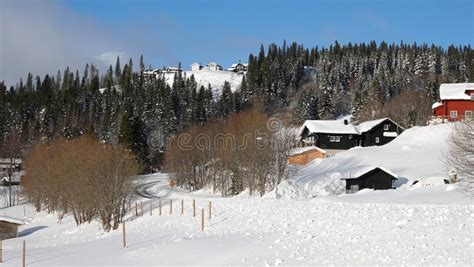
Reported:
(258, 231)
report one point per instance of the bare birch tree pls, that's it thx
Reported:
(461, 153)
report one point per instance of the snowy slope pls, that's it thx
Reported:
(417, 153)
(256, 232)
(214, 77)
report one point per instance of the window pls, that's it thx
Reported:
(337, 139)
(377, 140)
(385, 127)
(453, 114)
(468, 113)
(354, 188)
(333, 139)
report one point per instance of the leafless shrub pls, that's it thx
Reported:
(461, 153)
(247, 151)
(82, 177)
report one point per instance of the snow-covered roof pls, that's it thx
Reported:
(329, 126)
(236, 64)
(300, 150)
(7, 160)
(195, 63)
(455, 91)
(339, 127)
(356, 172)
(11, 220)
(436, 105)
(369, 125)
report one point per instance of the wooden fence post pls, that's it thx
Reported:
(182, 206)
(141, 207)
(202, 220)
(136, 209)
(124, 238)
(24, 253)
(24, 211)
(1, 251)
(194, 208)
(160, 206)
(151, 208)
(210, 210)
(171, 206)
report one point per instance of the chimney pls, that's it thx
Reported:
(346, 122)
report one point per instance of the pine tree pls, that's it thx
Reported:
(118, 71)
(226, 102)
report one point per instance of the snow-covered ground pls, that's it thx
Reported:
(416, 154)
(216, 78)
(359, 229)
(429, 223)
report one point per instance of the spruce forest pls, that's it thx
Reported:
(366, 80)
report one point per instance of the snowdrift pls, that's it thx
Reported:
(416, 154)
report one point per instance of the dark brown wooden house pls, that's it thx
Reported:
(378, 132)
(9, 227)
(376, 178)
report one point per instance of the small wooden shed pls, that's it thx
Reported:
(304, 155)
(376, 178)
(9, 227)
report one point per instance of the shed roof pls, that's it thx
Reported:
(361, 170)
(436, 105)
(455, 91)
(301, 150)
(11, 220)
(7, 160)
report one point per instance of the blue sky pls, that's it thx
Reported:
(227, 31)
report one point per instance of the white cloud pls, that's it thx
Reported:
(110, 57)
(43, 36)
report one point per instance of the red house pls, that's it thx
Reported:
(457, 101)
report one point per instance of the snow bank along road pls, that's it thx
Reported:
(257, 231)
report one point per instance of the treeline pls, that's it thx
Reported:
(130, 109)
(357, 79)
(247, 151)
(366, 80)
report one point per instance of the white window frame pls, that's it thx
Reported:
(455, 112)
(332, 139)
(377, 140)
(337, 139)
(386, 127)
(468, 113)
